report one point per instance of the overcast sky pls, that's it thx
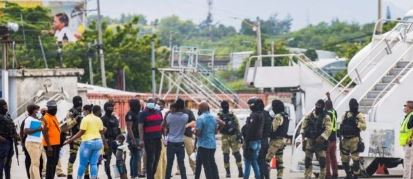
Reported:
(230, 12)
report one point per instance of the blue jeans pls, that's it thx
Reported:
(89, 152)
(135, 153)
(255, 146)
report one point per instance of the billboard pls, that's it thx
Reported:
(68, 16)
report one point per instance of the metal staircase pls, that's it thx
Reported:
(188, 77)
(385, 85)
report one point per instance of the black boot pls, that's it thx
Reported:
(240, 172)
(228, 172)
(346, 167)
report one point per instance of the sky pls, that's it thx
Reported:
(230, 12)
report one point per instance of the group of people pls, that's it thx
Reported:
(95, 137)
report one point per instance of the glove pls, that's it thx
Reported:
(320, 140)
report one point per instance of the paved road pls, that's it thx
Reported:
(18, 172)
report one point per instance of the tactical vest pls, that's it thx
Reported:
(348, 127)
(282, 130)
(230, 127)
(78, 117)
(405, 134)
(112, 126)
(333, 116)
(315, 126)
(7, 128)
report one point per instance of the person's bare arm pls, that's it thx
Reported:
(141, 135)
(130, 132)
(76, 136)
(29, 131)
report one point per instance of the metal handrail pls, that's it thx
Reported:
(225, 88)
(394, 79)
(301, 57)
(358, 64)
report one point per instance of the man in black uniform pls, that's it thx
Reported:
(262, 162)
(111, 123)
(73, 119)
(7, 136)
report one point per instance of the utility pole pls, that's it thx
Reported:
(259, 47)
(4, 73)
(100, 46)
(379, 29)
(153, 69)
(272, 53)
(89, 56)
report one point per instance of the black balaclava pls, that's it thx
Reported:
(77, 103)
(277, 106)
(108, 107)
(319, 107)
(225, 106)
(253, 104)
(134, 105)
(260, 104)
(3, 107)
(329, 105)
(354, 106)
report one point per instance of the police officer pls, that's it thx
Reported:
(132, 125)
(405, 139)
(315, 130)
(111, 123)
(73, 119)
(353, 122)
(331, 159)
(267, 119)
(230, 133)
(7, 136)
(279, 129)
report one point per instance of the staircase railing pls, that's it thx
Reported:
(223, 89)
(406, 69)
(356, 72)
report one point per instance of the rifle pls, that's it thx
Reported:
(17, 151)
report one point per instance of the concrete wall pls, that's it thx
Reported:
(27, 85)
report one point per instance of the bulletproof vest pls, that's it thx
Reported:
(348, 127)
(266, 131)
(112, 126)
(230, 127)
(7, 128)
(315, 126)
(78, 117)
(282, 130)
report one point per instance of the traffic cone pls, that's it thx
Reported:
(273, 163)
(380, 169)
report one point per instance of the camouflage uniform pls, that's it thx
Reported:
(277, 145)
(312, 146)
(229, 138)
(349, 145)
(73, 119)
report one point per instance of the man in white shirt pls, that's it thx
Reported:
(61, 28)
(33, 129)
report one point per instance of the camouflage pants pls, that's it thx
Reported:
(321, 157)
(276, 148)
(348, 150)
(74, 147)
(230, 143)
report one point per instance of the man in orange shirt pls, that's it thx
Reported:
(51, 140)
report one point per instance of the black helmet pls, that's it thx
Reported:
(253, 103)
(277, 106)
